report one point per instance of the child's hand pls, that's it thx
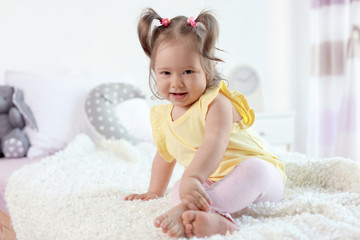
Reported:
(145, 196)
(193, 196)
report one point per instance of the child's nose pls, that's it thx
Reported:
(176, 82)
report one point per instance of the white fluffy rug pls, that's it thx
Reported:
(78, 194)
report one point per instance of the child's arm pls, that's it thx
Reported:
(161, 172)
(218, 127)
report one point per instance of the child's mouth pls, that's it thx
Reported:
(178, 96)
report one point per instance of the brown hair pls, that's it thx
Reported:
(202, 38)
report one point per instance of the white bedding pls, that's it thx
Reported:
(78, 194)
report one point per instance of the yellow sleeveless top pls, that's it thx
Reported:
(181, 138)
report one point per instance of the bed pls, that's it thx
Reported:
(8, 166)
(78, 193)
(74, 188)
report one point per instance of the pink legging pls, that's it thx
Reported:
(251, 181)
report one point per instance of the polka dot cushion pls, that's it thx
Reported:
(100, 108)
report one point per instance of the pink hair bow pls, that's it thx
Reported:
(191, 21)
(165, 22)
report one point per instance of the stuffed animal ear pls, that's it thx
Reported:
(18, 100)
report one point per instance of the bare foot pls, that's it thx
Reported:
(205, 224)
(171, 222)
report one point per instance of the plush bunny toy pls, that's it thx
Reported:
(14, 116)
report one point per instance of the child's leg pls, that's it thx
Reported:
(252, 181)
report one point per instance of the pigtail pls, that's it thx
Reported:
(208, 30)
(144, 29)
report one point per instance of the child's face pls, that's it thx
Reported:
(179, 74)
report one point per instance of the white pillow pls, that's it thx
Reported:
(118, 111)
(134, 115)
(57, 104)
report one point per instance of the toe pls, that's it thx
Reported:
(188, 230)
(159, 220)
(188, 219)
(173, 232)
(189, 235)
(166, 224)
(188, 216)
(188, 227)
(176, 231)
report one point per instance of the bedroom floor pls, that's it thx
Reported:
(6, 231)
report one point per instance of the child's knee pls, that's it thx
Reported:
(262, 172)
(268, 176)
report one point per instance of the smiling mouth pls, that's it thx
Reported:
(178, 96)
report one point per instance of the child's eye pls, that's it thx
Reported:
(188, 72)
(165, 73)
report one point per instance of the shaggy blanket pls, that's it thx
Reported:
(78, 194)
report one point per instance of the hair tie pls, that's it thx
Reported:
(191, 21)
(165, 22)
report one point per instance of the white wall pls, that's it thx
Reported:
(299, 65)
(278, 29)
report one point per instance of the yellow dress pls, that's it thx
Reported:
(181, 138)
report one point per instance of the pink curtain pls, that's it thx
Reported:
(334, 87)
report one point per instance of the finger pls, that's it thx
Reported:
(190, 204)
(197, 200)
(129, 197)
(147, 198)
(204, 201)
(138, 196)
(204, 205)
(204, 195)
(200, 202)
(207, 198)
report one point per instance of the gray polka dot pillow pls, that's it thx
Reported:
(101, 110)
